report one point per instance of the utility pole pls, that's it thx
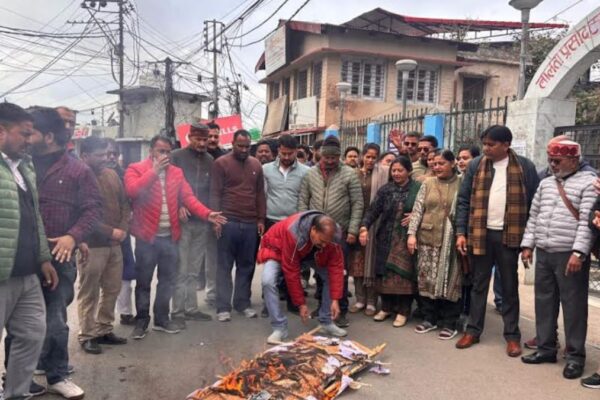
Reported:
(169, 95)
(118, 48)
(215, 46)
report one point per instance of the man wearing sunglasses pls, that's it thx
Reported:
(424, 147)
(558, 229)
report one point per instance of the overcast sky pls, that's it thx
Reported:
(176, 25)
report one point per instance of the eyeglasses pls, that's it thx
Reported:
(410, 144)
(555, 161)
(424, 149)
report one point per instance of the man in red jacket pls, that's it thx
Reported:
(304, 235)
(157, 191)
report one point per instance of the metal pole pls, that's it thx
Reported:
(215, 80)
(342, 106)
(169, 110)
(121, 72)
(523, 55)
(404, 89)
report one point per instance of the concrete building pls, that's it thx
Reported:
(304, 61)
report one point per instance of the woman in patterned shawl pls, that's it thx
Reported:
(394, 266)
(431, 231)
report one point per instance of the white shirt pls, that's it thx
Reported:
(284, 171)
(497, 200)
(14, 167)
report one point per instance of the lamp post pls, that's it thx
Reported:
(525, 6)
(405, 67)
(343, 89)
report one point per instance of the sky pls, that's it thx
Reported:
(81, 76)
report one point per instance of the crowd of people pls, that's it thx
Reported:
(421, 231)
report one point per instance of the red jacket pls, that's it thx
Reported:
(144, 189)
(288, 242)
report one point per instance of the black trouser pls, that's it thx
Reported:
(553, 289)
(396, 303)
(441, 312)
(506, 260)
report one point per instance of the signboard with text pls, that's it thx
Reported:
(228, 126)
(275, 50)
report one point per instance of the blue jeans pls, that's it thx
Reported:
(55, 352)
(237, 244)
(164, 254)
(270, 278)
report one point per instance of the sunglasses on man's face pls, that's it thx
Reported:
(410, 144)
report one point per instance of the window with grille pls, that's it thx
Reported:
(274, 90)
(422, 85)
(317, 77)
(367, 78)
(301, 84)
(286, 87)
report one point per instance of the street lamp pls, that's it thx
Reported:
(343, 89)
(525, 6)
(405, 67)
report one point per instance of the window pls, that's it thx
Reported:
(317, 77)
(274, 91)
(422, 85)
(286, 87)
(366, 77)
(301, 84)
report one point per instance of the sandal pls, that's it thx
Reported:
(370, 311)
(425, 327)
(356, 307)
(381, 316)
(400, 321)
(447, 334)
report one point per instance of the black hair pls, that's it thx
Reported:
(306, 150)
(160, 138)
(288, 141)
(446, 154)
(317, 144)
(213, 125)
(414, 134)
(430, 139)
(92, 143)
(371, 146)
(241, 132)
(269, 142)
(497, 133)
(47, 120)
(321, 221)
(387, 153)
(13, 114)
(402, 160)
(472, 149)
(351, 148)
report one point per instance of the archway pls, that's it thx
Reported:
(545, 105)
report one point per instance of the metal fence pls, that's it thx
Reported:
(463, 123)
(588, 136)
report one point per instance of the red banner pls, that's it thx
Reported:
(228, 126)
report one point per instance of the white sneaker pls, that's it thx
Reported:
(224, 316)
(249, 313)
(67, 389)
(333, 330)
(277, 336)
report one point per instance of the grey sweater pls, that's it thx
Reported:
(282, 190)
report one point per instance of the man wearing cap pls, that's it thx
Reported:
(558, 229)
(334, 188)
(197, 243)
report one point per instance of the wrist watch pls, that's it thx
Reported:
(579, 255)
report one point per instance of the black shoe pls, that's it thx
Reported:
(172, 326)
(140, 330)
(36, 389)
(91, 346)
(264, 313)
(342, 321)
(573, 370)
(592, 382)
(198, 316)
(127, 319)
(538, 358)
(111, 338)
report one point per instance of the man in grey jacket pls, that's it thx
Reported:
(334, 188)
(558, 229)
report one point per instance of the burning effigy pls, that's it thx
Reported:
(310, 368)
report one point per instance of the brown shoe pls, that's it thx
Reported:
(513, 348)
(466, 341)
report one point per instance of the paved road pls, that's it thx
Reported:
(171, 366)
